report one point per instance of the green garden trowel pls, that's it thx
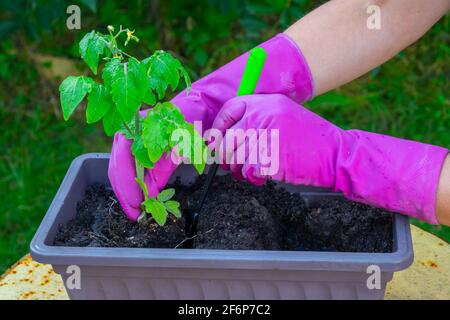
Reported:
(247, 86)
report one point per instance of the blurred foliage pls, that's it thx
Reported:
(36, 16)
(406, 97)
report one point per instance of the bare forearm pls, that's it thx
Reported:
(339, 46)
(443, 194)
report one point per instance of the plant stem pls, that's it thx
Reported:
(128, 128)
(137, 132)
(139, 171)
(126, 54)
(137, 124)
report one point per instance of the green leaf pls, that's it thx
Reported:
(99, 102)
(195, 150)
(92, 46)
(111, 68)
(164, 70)
(154, 153)
(154, 134)
(132, 127)
(149, 98)
(147, 95)
(140, 153)
(199, 147)
(200, 167)
(126, 90)
(138, 72)
(168, 67)
(158, 127)
(72, 92)
(143, 186)
(166, 194)
(173, 207)
(158, 211)
(112, 122)
(159, 85)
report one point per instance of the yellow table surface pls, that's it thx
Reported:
(427, 278)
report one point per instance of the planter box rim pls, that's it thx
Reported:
(399, 259)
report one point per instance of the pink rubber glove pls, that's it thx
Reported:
(383, 171)
(285, 71)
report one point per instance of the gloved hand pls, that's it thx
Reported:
(375, 169)
(285, 71)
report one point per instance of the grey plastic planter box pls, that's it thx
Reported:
(125, 273)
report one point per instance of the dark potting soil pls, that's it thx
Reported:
(236, 215)
(101, 222)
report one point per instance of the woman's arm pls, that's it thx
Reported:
(339, 46)
(443, 194)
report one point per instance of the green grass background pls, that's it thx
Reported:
(406, 97)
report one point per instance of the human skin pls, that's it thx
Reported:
(339, 47)
(326, 34)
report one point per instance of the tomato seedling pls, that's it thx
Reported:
(128, 83)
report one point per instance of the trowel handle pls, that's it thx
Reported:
(252, 71)
(250, 77)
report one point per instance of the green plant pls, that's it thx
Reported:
(128, 84)
(159, 206)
